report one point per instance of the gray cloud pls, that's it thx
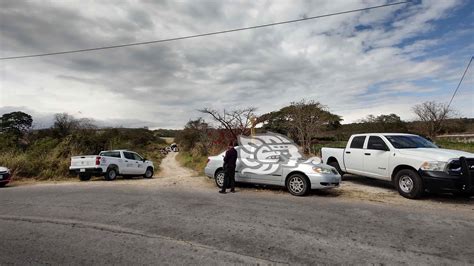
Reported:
(163, 85)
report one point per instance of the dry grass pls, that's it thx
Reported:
(197, 163)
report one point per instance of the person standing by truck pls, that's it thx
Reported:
(230, 160)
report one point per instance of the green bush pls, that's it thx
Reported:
(456, 145)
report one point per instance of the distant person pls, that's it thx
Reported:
(230, 160)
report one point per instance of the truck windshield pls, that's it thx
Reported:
(409, 142)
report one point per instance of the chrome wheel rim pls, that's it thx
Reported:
(220, 179)
(406, 184)
(296, 184)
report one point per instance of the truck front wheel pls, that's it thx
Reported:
(148, 173)
(409, 184)
(111, 174)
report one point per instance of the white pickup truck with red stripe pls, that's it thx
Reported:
(111, 164)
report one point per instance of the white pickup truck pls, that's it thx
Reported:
(411, 162)
(111, 164)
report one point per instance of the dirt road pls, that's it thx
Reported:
(179, 218)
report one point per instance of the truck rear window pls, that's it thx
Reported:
(358, 142)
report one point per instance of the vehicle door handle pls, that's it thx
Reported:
(367, 153)
(126, 161)
(348, 152)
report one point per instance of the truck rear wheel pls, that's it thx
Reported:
(409, 184)
(111, 174)
(85, 177)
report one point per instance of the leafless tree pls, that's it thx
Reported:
(65, 124)
(307, 119)
(432, 115)
(236, 122)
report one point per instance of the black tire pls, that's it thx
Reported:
(85, 177)
(148, 173)
(335, 164)
(219, 178)
(3, 184)
(111, 174)
(409, 184)
(298, 185)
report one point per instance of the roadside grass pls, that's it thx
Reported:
(196, 163)
(456, 145)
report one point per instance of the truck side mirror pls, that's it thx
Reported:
(380, 147)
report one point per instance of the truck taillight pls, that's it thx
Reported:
(97, 160)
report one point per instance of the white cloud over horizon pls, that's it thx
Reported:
(375, 62)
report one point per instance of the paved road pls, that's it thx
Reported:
(161, 222)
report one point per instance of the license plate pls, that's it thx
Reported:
(1, 177)
(82, 170)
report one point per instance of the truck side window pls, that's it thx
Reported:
(376, 143)
(358, 142)
(129, 155)
(137, 157)
(115, 154)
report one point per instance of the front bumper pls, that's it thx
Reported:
(5, 178)
(324, 181)
(449, 181)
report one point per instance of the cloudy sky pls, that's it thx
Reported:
(375, 62)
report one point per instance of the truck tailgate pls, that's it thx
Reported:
(83, 161)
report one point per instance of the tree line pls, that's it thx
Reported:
(307, 121)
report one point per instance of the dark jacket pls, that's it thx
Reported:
(230, 158)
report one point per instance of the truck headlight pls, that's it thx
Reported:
(433, 166)
(322, 170)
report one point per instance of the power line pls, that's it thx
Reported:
(203, 34)
(459, 84)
